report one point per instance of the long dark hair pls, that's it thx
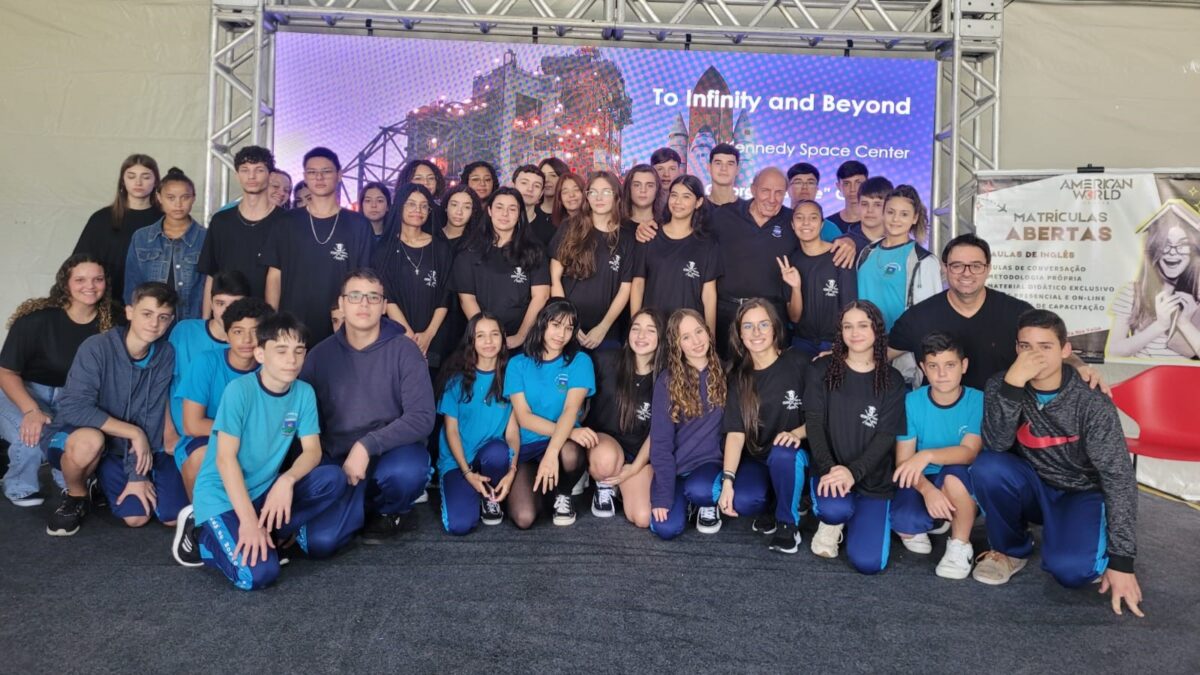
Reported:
(535, 341)
(577, 250)
(60, 293)
(627, 369)
(476, 207)
(470, 168)
(558, 214)
(406, 174)
(462, 364)
(743, 367)
(837, 362)
(693, 185)
(120, 205)
(627, 197)
(522, 249)
(384, 256)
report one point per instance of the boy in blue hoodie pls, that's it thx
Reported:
(244, 504)
(377, 408)
(111, 416)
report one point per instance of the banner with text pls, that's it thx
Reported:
(1117, 256)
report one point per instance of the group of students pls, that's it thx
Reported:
(696, 359)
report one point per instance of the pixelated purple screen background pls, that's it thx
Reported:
(596, 107)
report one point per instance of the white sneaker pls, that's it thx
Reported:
(564, 511)
(825, 542)
(581, 485)
(942, 527)
(917, 543)
(422, 498)
(708, 520)
(956, 562)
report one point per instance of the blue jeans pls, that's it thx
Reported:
(21, 479)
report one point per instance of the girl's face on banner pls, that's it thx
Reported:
(1176, 255)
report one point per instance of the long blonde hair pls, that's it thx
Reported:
(683, 381)
(60, 294)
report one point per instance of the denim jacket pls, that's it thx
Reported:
(150, 257)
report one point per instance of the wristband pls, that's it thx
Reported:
(729, 475)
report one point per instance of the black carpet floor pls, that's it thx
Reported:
(599, 596)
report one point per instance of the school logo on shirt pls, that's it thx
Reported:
(962, 432)
(643, 412)
(891, 268)
(869, 417)
(831, 288)
(791, 401)
(339, 252)
(560, 382)
(431, 279)
(289, 424)
(614, 263)
(518, 276)
(777, 232)
(690, 270)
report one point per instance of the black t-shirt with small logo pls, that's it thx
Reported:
(676, 270)
(499, 286)
(604, 416)
(613, 266)
(780, 389)
(825, 289)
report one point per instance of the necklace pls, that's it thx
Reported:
(312, 226)
(251, 223)
(415, 265)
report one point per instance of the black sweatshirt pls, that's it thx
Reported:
(1075, 444)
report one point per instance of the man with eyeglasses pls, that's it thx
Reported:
(376, 408)
(308, 253)
(982, 319)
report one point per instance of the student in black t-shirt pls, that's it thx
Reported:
(43, 336)
(620, 416)
(501, 270)
(480, 177)
(528, 181)
(678, 268)
(374, 202)
(279, 188)
(415, 268)
(819, 288)
(464, 211)
(854, 410)
(552, 169)
(426, 174)
(667, 164)
(723, 161)
(568, 198)
(641, 186)
(236, 236)
(764, 423)
(310, 253)
(110, 229)
(850, 177)
(591, 262)
(981, 319)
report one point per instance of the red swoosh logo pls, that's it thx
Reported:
(1026, 438)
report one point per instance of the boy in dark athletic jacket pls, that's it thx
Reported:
(1057, 457)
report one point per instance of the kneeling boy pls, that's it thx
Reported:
(243, 504)
(932, 457)
(1056, 456)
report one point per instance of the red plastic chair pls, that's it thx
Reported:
(1165, 402)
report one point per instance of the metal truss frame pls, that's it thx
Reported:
(964, 35)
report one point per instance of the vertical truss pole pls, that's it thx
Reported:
(240, 92)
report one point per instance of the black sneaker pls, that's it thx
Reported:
(708, 520)
(564, 511)
(381, 527)
(96, 494)
(185, 547)
(764, 524)
(602, 501)
(786, 539)
(66, 519)
(31, 499)
(490, 512)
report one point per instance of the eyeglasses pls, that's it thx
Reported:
(356, 298)
(762, 326)
(600, 193)
(960, 267)
(1178, 249)
(319, 173)
(421, 207)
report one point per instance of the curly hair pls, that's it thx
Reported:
(577, 250)
(743, 367)
(837, 362)
(60, 294)
(683, 381)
